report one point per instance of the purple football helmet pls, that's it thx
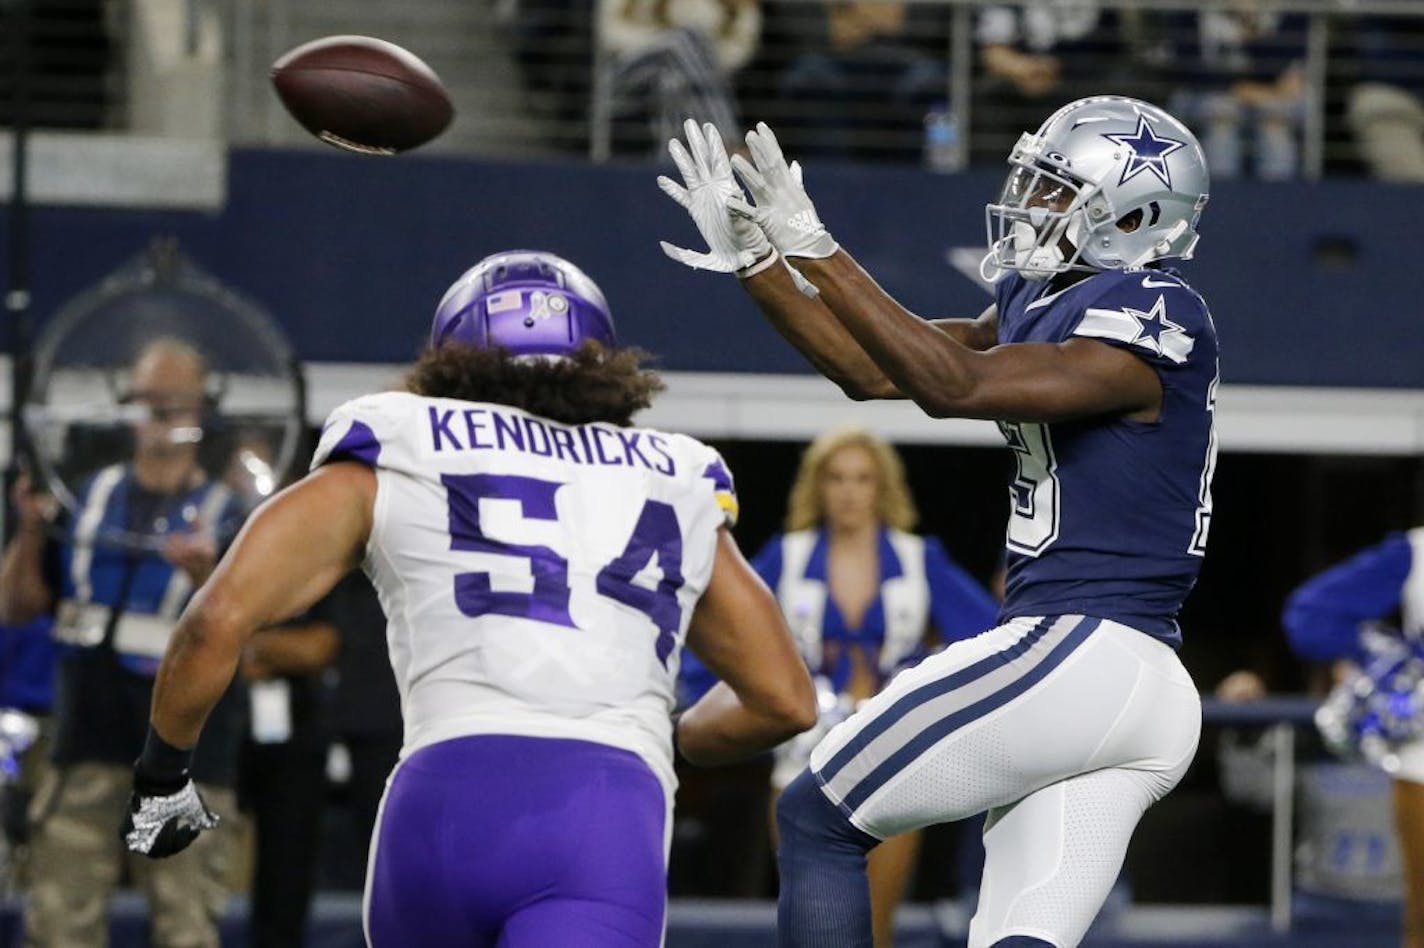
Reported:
(528, 301)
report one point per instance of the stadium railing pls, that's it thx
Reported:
(1282, 716)
(532, 77)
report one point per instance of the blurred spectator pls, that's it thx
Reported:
(1347, 866)
(282, 779)
(27, 660)
(864, 598)
(1385, 110)
(1035, 56)
(552, 41)
(1324, 619)
(1243, 86)
(366, 727)
(670, 60)
(863, 80)
(115, 607)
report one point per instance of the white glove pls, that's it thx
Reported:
(159, 825)
(735, 244)
(783, 209)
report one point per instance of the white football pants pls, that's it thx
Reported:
(1064, 728)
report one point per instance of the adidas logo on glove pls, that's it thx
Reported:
(806, 222)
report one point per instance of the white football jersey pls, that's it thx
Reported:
(537, 578)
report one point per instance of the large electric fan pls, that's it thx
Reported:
(85, 412)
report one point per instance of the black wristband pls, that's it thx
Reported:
(161, 768)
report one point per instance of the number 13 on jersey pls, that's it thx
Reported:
(1033, 518)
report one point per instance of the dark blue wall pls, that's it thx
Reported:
(352, 253)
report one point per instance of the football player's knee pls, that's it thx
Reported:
(1022, 941)
(798, 810)
(804, 814)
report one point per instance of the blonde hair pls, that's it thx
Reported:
(894, 506)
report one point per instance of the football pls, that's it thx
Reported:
(362, 94)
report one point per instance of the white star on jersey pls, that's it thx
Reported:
(1153, 325)
(1151, 329)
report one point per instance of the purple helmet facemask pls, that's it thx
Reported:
(528, 301)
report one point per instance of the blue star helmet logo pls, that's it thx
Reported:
(1149, 153)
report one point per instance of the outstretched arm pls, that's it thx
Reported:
(784, 212)
(289, 554)
(1323, 615)
(740, 239)
(1016, 382)
(809, 325)
(765, 694)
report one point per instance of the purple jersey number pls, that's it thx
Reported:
(656, 534)
(549, 600)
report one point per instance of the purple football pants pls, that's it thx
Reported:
(519, 842)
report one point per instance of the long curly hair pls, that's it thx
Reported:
(591, 384)
(894, 506)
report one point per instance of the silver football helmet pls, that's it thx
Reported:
(1106, 183)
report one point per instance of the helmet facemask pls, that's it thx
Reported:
(1038, 225)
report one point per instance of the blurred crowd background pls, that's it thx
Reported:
(1274, 89)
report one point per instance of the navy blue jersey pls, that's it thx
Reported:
(1109, 516)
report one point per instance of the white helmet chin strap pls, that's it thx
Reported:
(1162, 247)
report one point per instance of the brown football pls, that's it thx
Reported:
(362, 94)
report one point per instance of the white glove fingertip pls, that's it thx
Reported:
(768, 138)
(796, 171)
(750, 176)
(684, 163)
(757, 146)
(675, 191)
(717, 149)
(697, 145)
(690, 258)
